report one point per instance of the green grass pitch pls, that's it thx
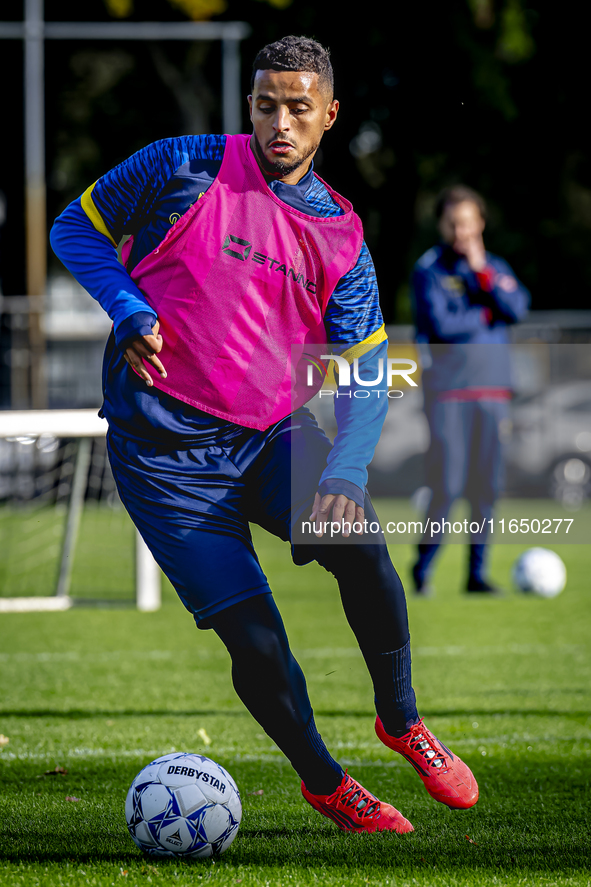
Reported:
(99, 693)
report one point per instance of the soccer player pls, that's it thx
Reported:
(237, 252)
(465, 298)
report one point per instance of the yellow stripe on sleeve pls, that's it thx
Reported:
(93, 213)
(363, 347)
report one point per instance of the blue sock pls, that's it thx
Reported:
(318, 778)
(394, 696)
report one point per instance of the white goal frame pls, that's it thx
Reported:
(82, 425)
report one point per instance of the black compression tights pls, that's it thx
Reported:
(270, 682)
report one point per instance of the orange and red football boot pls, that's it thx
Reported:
(354, 809)
(445, 776)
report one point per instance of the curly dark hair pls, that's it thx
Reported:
(296, 54)
(459, 194)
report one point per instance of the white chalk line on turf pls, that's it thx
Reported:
(418, 651)
(78, 656)
(152, 754)
(501, 649)
(313, 653)
(503, 741)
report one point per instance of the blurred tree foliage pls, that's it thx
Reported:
(489, 92)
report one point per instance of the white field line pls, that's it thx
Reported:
(151, 753)
(494, 649)
(316, 653)
(502, 650)
(528, 740)
(78, 656)
(244, 757)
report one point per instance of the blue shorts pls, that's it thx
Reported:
(193, 505)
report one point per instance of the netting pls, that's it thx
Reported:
(36, 480)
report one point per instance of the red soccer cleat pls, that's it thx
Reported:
(355, 810)
(446, 777)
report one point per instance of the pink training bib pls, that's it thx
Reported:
(236, 282)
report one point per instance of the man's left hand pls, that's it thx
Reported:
(345, 512)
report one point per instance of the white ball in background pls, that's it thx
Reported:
(539, 571)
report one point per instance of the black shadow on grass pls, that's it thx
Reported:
(309, 848)
(81, 714)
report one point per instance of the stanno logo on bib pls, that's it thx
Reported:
(262, 259)
(233, 252)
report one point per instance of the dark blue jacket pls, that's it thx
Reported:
(465, 316)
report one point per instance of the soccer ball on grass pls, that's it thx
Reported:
(183, 805)
(539, 571)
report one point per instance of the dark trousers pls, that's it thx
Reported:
(464, 460)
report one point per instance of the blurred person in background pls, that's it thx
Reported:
(465, 298)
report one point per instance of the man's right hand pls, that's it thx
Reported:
(472, 247)
(145, 348)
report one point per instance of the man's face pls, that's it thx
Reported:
(289, 115)
(460, 224)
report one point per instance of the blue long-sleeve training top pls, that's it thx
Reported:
(144, 196)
